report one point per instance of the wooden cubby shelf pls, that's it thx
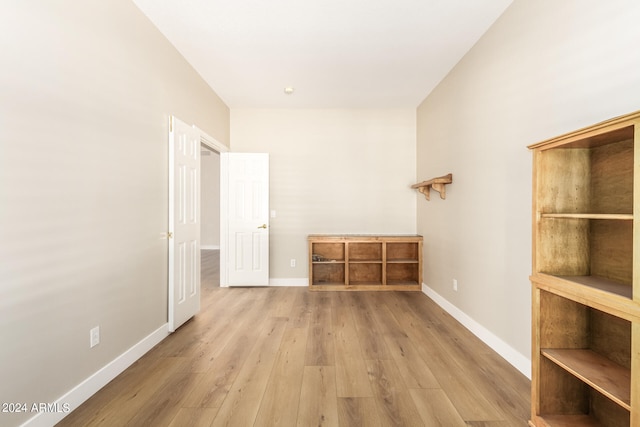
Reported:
(586, 294)
(608, 378)
(627, 217)
(365, 262)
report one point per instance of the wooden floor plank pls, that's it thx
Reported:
(320, 344)
(165, 401)
(358, 412)
(302, 308)
(279, 405)
(463, 391)
(132, 397)
(369, 332)
(194, 417)
(482, 365)
(283, 302)
(241, 404)
(391, 395)
(215, 384)
(210, 268)
(226, 327)
(351, 374)
(436, 409)
(415, 372)
(500, 423)
(318, 400)
(194, 331)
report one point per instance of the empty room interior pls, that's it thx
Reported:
(396, 213)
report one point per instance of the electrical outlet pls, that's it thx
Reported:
(455, 285)
(293, 262)
(94, 336)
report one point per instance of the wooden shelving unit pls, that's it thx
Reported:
(359, 262)
(586, 293)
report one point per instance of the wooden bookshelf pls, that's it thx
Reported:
(586, 293)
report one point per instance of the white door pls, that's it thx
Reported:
(248, 219)
(184, 223)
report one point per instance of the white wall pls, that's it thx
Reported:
(210, 199)
(86, 90)
(544, 68)
(332, 171)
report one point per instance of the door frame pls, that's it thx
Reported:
(215, 145)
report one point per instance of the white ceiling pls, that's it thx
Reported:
(335, 53)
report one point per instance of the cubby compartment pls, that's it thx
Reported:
(402, 251)
(585, 354)
(590, 252)
(569, 402)
(588, 176)
(366, 252)
(402, 274)
(327, 251)
(328, 274)
(365, 274)
(567, 324)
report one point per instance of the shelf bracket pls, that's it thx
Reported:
(437, 184)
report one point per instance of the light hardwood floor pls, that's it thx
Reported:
(290, 357)
(210, 268)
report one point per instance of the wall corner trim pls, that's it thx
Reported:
(508, 353)
(87, 388)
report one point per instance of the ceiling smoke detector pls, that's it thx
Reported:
(288, 90)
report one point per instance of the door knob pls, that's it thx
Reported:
(263, 226)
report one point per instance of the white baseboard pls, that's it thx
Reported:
(516, 359)
(210, 247)
(302, 281)
(87, 388)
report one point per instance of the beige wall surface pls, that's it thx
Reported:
(331, 171)
(544, 68)
(210, 199)
(86, 90)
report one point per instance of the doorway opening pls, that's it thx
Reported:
(210, 217)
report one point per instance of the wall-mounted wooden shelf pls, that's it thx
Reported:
(436, 184)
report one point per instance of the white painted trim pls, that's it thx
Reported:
(211, 142)
(87, 388)
(220, 148)
(210, 247)
(301, 281)
(224, 220)
(516, 359)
